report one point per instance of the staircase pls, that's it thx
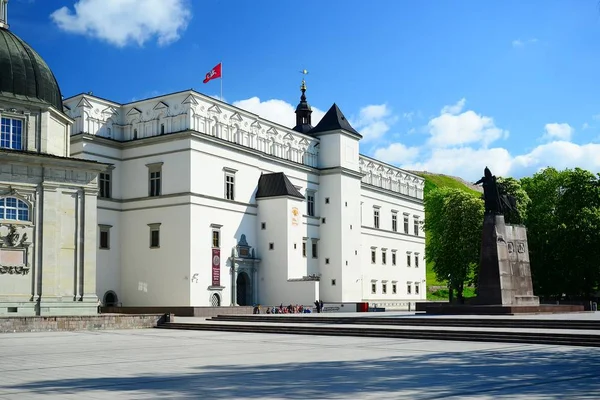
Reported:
(505, 330)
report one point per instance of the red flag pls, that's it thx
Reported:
(213, 74)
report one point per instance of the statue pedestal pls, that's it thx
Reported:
(504, 271)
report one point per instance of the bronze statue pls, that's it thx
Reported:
(497, 201)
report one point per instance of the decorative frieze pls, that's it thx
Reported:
(14, 270)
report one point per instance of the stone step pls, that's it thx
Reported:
(399, 333)
(419, 321)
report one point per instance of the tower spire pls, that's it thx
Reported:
(4, 14)
(303, 110)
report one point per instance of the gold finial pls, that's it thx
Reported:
(304, 72)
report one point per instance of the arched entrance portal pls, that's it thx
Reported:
(110, 299)
(244, 290)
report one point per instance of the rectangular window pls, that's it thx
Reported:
(406, 224)
(394, 288)
(333, 282)
(416, 225)
(263, 225)
(104, 237)
(416, 260)
(408, 259)
(229, 185)
(373, 256)
(216, 238)
(315, 249)
(393, 258)
(376, 218)
(383, 257)
(416, 288)
(11, 134)
(310, 203)
(104, 185)
(271, 246)
(395, 222)
(304, 248)
(384, 288)
(408, 287)
(373, 288)
(154, 235)
(155, 179)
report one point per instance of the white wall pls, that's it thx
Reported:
(384, 238)
(108, 266)
(156, 276)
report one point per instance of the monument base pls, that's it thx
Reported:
(467, 309)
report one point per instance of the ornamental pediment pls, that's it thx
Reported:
(84, 103)
(272, 131)
(134, 112)
(190, 100)
(289, 136)
(215, 109)
(161, 106)
(236, 117)
(110, 110)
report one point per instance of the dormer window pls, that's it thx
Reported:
(13, 209)
(11, 134)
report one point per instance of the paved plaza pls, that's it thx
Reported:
(152, 363)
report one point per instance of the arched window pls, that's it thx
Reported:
(14, 209)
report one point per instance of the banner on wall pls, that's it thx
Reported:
(216, 267)
(295, 216)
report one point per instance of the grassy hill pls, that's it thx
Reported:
(437, 290)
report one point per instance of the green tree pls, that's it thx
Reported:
(563, 224)
(453, 222)
(513, 187)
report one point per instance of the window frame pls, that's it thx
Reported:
(154, 227)
(155, 176)
(394, 221)
(20, 206)
(310, 203)
(229, 184)
(315, 246)
(102, 228)
(304, 247)
(376, 218)
(406, 223)
(215, 233)
(11, 135)
(105, 185)
(394, 258)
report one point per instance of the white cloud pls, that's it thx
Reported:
(454, 127)
(585, 126)
(522, 43)
(374, 121)
(276, 110)
(454, 108)
(458, 146)
(398, 153)
(556, 131)
(124, 22)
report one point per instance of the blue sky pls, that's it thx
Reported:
(444, 86)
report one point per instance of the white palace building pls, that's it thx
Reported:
(199, 203)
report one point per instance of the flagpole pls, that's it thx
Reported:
(221, 80)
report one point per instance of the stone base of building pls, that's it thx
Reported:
(53, 307)
(466, 309)
(79, 323)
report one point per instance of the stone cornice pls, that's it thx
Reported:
(46, 160)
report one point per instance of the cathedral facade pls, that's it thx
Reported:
(48, 202)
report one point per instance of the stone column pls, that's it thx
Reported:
(79, 241)
(50, 240)
(234, 275)
(254, 285)
(37, 245)
(90, 228)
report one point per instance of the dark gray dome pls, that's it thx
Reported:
(24, 74)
